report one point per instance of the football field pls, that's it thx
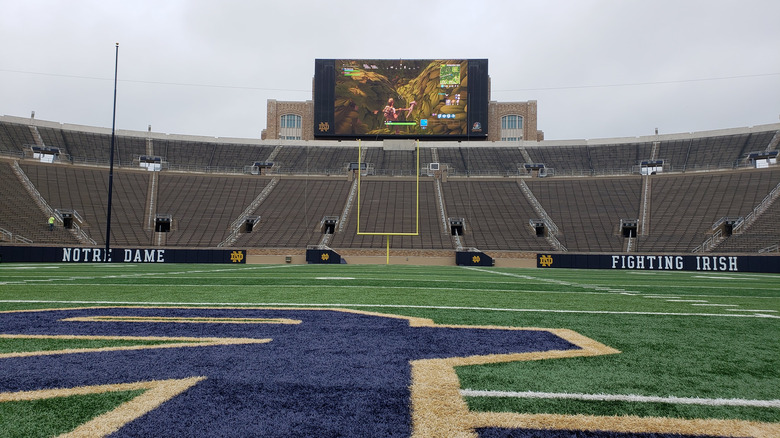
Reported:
(374, 350)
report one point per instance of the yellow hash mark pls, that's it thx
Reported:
(174, 342)
(178, 319)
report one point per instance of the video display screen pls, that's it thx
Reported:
(400, 98)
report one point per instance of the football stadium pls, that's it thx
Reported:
(157, 284)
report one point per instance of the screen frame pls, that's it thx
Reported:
(324, 93)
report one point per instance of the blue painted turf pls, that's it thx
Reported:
(335, 374)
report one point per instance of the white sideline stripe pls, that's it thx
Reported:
(716, 305)
(626, 398)
(383, 306)
(687, 301)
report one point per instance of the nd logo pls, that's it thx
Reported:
(237, 256)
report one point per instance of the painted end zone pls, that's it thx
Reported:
(666, 262)
(306, 372)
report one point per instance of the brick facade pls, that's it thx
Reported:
(527, 110)
(276, 109)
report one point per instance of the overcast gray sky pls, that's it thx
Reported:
(597, 68)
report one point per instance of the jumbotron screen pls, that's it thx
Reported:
(382, 98)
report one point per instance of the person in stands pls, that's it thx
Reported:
(51, 223)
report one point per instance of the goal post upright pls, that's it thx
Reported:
(417, 201)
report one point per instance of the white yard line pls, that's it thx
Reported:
(383, 306)
(751, 310)
(138, 275)
(626, 398)
(551, 280)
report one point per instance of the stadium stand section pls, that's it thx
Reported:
(21, 219)
(291, 215)
(206, 185)
(313, 160)
(202, 207)
(388, 206)
(85, 190)
(614, 159)
(395, 163)
(685, 207)
(587, 211)
(478, 161)
(14, 137)
(761, 236)
(496, 215)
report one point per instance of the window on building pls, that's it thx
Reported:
(511, 128)
(290, 127)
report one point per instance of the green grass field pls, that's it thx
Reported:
(682, 335)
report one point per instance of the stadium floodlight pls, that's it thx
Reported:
(417, 203)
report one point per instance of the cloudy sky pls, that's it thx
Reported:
(596, 68)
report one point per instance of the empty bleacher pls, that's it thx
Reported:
(313, 160)
(202, 207)
(496, 215)
(618, 158)
(185, 155)
(21, 216)
(86, 191)
(290, 216)
(389, 206)
(587, 211)
(14, 137)
(396, 163)
(762, 235)
(565, 160)
(703, 153)
(236, 156)
(684, 207)
(196, 190)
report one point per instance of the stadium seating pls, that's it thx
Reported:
(205, 187)
(20, 217)
(482, 161)
(313, 160)
(587, 211)
(684, 207)
(290, 216)
(202, 208)
(497, 215)
(388, 206)
(85, 190)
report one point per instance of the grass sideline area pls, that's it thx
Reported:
(692, 345)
